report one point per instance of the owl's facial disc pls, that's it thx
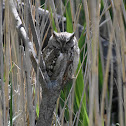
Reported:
(64, 42)
(63, 37)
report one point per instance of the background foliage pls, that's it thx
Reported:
(97, 95)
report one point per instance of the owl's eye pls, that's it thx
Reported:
(54, 46)
(58, 42)
(70, 44)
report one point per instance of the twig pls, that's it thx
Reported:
(34, 31)
(1, 69)
(121, 32)
(6, 61)
(111, 94)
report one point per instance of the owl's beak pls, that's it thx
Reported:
(63, 50)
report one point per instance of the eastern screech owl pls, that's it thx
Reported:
(60, 46)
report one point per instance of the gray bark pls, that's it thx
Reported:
(47, 107)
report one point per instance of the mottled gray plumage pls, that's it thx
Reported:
(62, 48)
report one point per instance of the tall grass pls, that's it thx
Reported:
(99, 79)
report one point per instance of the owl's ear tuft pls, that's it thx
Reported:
(55, 34)
(72, 35)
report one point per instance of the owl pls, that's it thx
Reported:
(62, 49)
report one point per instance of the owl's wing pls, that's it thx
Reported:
(59, 66)
(50, 57)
